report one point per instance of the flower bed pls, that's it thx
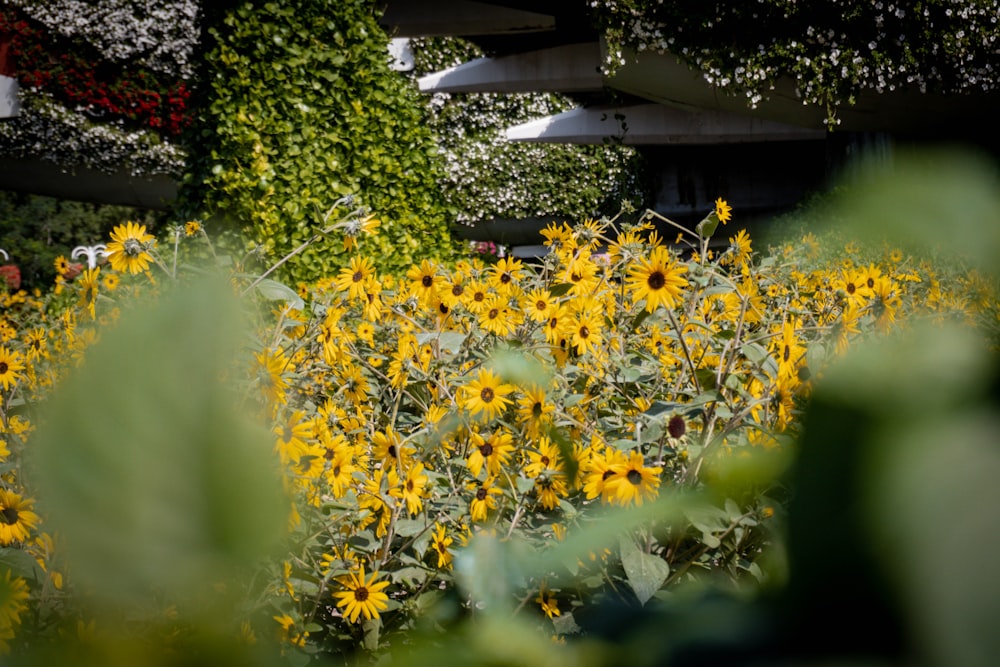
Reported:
(587, 411)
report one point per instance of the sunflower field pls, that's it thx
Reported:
(200, 462)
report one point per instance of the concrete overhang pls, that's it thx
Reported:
(663, 78)
(10, 104)
(652, 124)
(448, 18)
(42, 177)
(567, 68)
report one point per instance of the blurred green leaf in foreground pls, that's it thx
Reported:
(162, 493)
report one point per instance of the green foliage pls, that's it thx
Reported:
(302, 109)
(489, 177)
(184, 484)
(693, 481)
(831, 51)
(35, 230)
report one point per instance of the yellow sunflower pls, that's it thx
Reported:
(440, 541)
(483, 501)
(111, 282)
(498, 318)
(790, 351)
(659, 280)
(352, 279)
(14, 596)
(539, 305)
(11, 365)
(424, 281)
(412, 489)
(505, 274)
(36, 342)
(88, 289)
(362, 597)
(61, 264)
(585, 332)
(487, 394)
(493, 452)
(272, 365)
(339, 467)
(17, 519)
(723, 211)
(632, 482)
(547, 601)
(129, 248)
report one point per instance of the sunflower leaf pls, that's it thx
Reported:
(645, 572)
(148, 470)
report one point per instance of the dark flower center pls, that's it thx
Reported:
(358, 277)
(485, 449)
(544, 460)
(606, 474)
(3, 367)
(676, 426)
(481, 494)
(479, 296)
(409, 485)
(427, 281)
(392, 451)
(360, 593)
(786, 355)
(536, 410)
(493, 313)
(656, 280)
(851, 288)
(505, 278)
(584, 332)
(871, 283)
(8, 516)
(486, 394)
(635, 477)
(132, 247)
(457, 290)
(541, 304)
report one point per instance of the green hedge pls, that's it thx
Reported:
(300, 109)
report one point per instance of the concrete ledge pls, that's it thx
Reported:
(652, 124)
(10, 104)
(568, 68)
(449, 18)
(40, 177)
(663, 78)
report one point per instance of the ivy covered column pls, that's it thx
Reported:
(300, 108)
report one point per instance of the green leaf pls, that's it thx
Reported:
(519, 368)
(153, 477)
(275, 291)
(409, 527)
(565, 624)
(19, 562)
(448, 341)
(658, 408)
(706, 228)
(645, 572)
(560, 289)
(755, 354)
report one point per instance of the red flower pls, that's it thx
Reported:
(11, 275)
